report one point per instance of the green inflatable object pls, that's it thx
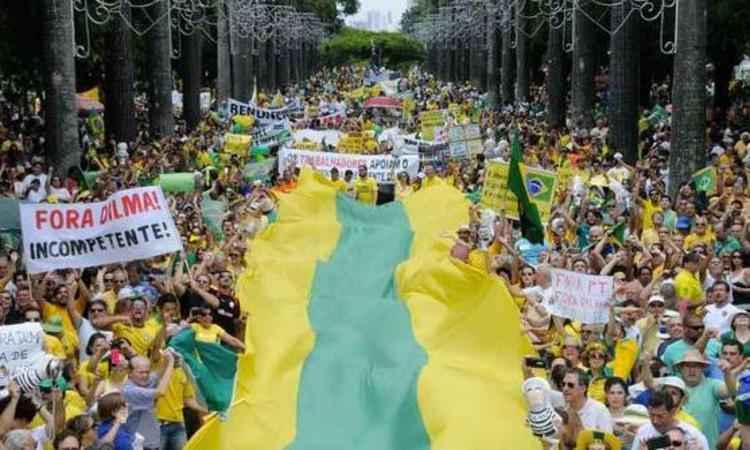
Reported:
(177, 182)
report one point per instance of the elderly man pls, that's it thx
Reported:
(141, 392)
(705, 394)
(695, 337)
(661, 413)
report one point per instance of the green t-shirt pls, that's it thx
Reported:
(703, 405)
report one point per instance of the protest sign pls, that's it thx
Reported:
(275, 134)
(262, 115)
(381, 167)
(456, 143)
(430, 120)
(20, 345)
(580, 296)
(541, 186)
(129, 225)
(239, 144)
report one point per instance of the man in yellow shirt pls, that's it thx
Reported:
(687, 283)
(366, 188)
(337, 181)
(179, 393)
(132, 326)
(57, 307)
(430, 177)
(700, 235)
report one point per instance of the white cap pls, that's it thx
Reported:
(675, 382)
(126, 293)
(655, 299)
(618, 156)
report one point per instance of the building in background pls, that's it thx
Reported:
(373, 20)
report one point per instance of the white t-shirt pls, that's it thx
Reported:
(719, 317)
(693, 435)
(595, 416)
(40, 436)
(42, 177)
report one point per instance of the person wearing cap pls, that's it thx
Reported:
(662, 420)
(53, 335)
(704, 394)
(721, 311)
(739, 325)
(366, 188)
(649, 325)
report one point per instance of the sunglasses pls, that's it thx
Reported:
(596, 356)
(697, 327)
(656, 305)
(96, 310)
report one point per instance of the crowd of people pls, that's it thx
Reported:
(666, 371)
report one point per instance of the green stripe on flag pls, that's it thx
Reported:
(358, 388)
(213, 367)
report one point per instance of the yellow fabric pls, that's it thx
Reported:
(110, 298)
(169, 406)
(649, 208)
(140, 338)
(88, 376)
(210, 334)
(340, 185)
(264, 415)
(683, 416)
(54, 347)
(694, 239)
(688, 287)
(473, 342)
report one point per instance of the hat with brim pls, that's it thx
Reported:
(634, 414)
(692, 357)
(741, 312)
(675, 382)
(54, 325)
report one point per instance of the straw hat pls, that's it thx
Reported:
(692, 357)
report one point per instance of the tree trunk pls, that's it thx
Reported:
(271, 61)
(119, 90)
(555, 78)
(624, 83)
(492, 86)
(241, 78)
(191, 96)
(283, 68)
(583, 70)
(506, 77)
(159, 69)
(689, 95)
(60, 114)
(223, 56)
(522, 56)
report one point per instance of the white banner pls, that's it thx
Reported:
(129, 225)
(262, 115)
(383, 168)
(20, 345)
(581, 297)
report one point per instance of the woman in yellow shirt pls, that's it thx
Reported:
(207, 331)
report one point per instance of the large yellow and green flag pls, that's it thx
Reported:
(367, 335)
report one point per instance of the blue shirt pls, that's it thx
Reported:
(123, 439)
(141, 404)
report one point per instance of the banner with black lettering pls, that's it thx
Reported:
(129, 225)
(20, 346)
(383, 168)
(263, 116)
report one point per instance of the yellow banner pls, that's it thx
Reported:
(541, 186)
(431, 120)
(238, 144)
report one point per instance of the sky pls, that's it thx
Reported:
(397, 7)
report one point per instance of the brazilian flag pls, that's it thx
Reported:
(531, 222)
(367, 335)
